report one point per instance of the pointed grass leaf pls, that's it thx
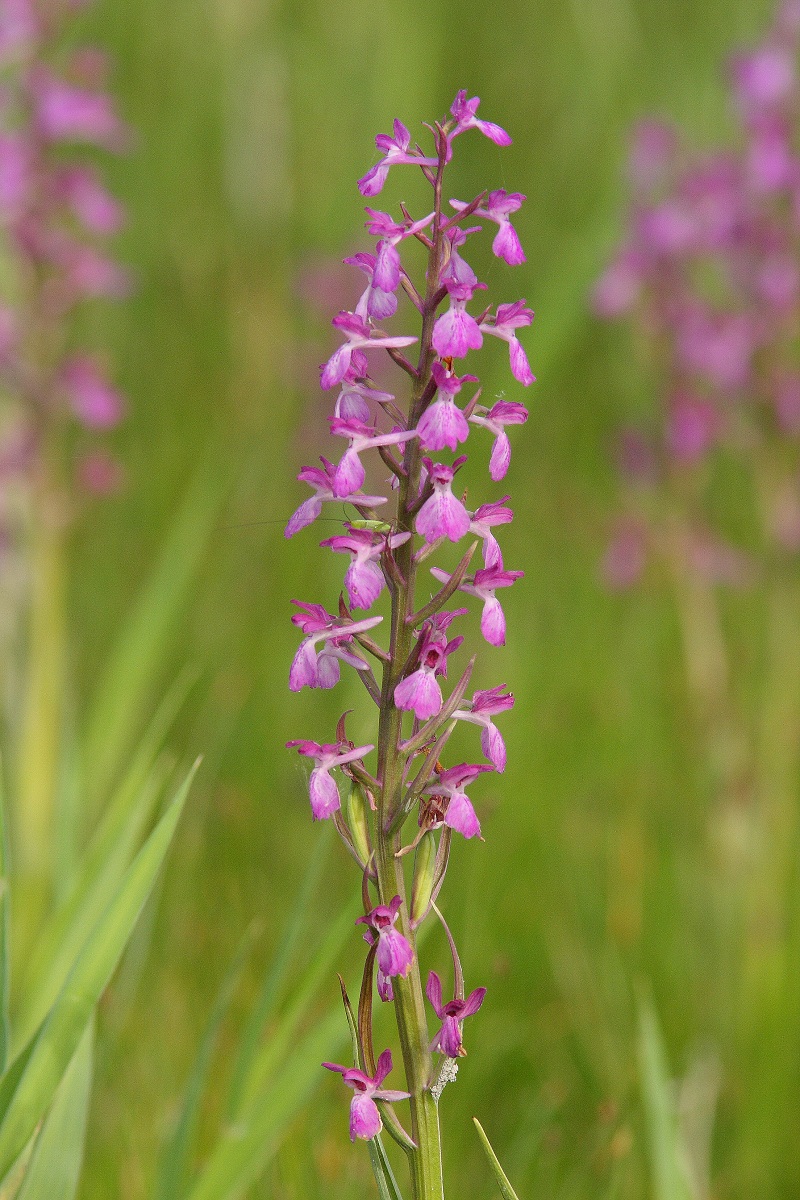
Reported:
(667, 1162)
(382, 1170)
(5, 959)
(173, 1174)
(273, 1053)
(101, 867)
(69, 927)
(351, 1025)
(55, 1165)
(506, 1190)
(276, 976)
(248, 1144)
(48, 1054)
(133, 665)
(13, 1074)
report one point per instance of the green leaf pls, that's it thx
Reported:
(173, 1173)
(382, 1170)
(273, 1052)
(133, 665)
(248, 1144)
(666, 1155)
(351, 1025)
(262, 1011)
(69, 928)
(55, 1165)
(49, 1053)
(506, 1190)
(5, 957)
(109, 854)
(10, 1080)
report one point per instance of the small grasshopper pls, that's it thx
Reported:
(371, 526)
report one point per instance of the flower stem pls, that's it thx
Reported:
(40, 732)
(409, 1002)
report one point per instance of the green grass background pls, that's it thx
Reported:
(254, 120)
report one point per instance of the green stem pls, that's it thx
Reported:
(409, 1001)
(768, 891)
(726, 751)
(39, 743)
(777, 758)
(708, 675)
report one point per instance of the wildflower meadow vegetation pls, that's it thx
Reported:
(400, 755)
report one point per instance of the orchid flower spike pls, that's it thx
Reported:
(55, 215)
(415, 718)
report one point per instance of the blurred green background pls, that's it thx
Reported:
(597, 878)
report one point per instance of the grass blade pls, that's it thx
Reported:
(56, 1041)
(382, 1170)
(55, 1166)
(133, 665)
(247, 1145)
(667, 1163)
(5, 957)
(173, 1174)
(273, 1053)
(506, 1190)
(263, 1009)
(69, 928)
(97, 877)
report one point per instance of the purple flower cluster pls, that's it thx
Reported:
(709, 272)
(417, 447)
(56, 216)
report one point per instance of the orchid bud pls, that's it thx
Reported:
(358, 821)
(424, 877)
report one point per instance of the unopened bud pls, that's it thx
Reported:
(424, 876)
(358, 821)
